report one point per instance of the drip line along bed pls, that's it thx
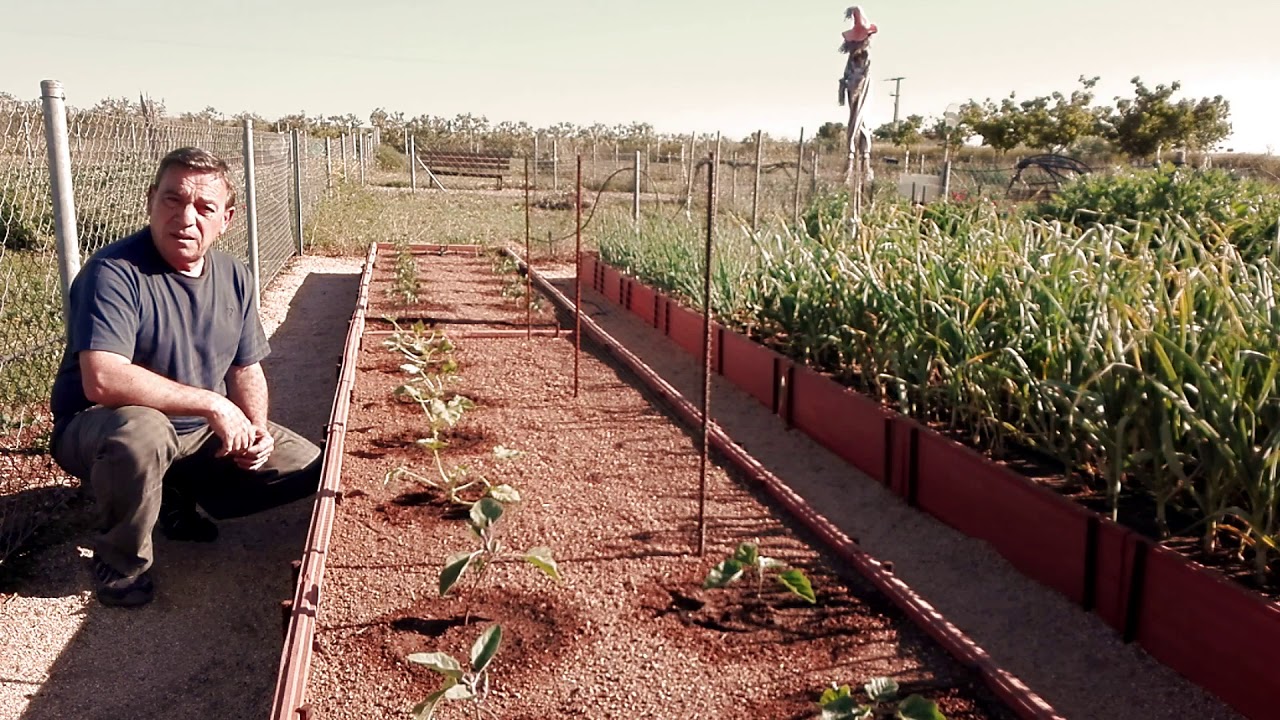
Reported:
(608, 483)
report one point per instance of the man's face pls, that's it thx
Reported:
(188, 212)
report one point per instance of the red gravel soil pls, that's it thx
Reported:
(609, 481)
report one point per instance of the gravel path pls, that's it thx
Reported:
(1068, 656)
(209, 645)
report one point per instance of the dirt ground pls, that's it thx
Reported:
(609, 482)
(209, 646)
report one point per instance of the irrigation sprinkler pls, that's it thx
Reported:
(706, 354)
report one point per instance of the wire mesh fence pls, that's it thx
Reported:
(113, 159)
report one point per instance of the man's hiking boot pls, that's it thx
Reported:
(115, 589)
(186, 524)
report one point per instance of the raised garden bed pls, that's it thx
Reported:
(609, 482)
(1190, 617)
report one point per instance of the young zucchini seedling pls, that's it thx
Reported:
(838, 703)
(482, 521)
(458, 683)
(747, 558)
(459, 485)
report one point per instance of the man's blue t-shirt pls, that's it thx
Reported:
(129, 301)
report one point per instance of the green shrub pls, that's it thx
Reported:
(390, 159)
(18, 230)
(1211, 202)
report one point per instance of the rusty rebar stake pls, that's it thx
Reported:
(706, 355)
(577, 283)
(528, 258)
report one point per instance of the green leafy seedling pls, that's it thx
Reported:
(839, 703)
(460, 684)
(458, 484)
(483, 521)
(747, 558)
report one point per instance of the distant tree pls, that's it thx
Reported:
(209, 115)
(259, 123)
(124, 107)
(904, 133)
(1151, 122)
(947, 133)
(1000, 126)
(1055, 122)
(293, 121)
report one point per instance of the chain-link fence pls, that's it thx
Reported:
(112, 162)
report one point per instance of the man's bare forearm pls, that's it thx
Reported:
(113, 381)
(247, 388)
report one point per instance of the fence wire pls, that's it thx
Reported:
(113, 162)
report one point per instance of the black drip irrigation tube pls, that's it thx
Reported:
(1012, 691)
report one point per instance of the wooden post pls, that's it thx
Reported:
(755, 193)
(733, 181)
(799, 172)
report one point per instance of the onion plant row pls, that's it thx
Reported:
(1144, 359)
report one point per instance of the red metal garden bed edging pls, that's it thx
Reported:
(1148, 593)
(1015, 694)
(289, 702)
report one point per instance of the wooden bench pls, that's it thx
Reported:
(482, 165)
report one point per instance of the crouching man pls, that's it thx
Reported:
(160, 403)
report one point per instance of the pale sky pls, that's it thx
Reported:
(695, 65)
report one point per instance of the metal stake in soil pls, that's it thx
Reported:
(577, 282)
(706, 353)
(528, 259)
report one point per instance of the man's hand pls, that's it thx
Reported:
(229, 423)
(256, 455)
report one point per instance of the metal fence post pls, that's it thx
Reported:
(755, 193)
(813, 176)
(555, 163)
(54, 102)
(251, 209)
(297, 191)
(343, 143)
(535, 160)
(635, 191)
(363, 150)
(413, 164)
(328, 164)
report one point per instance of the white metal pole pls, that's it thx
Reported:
(413, 166)
(54, 102)
(364, 147)
(635, 191)
(328, 164)
(251, 208)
